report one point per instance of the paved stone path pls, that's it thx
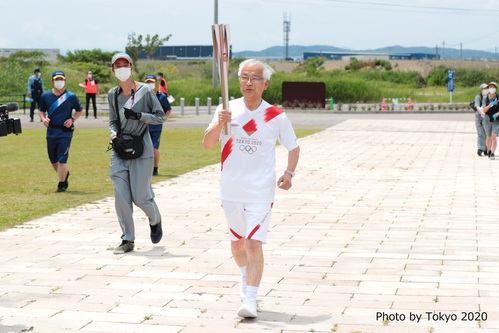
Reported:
(388, 222)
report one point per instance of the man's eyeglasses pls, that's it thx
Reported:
(245, 78)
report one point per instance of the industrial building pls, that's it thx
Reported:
(370, 56)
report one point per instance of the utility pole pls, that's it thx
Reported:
(215, 74)
(461, 51)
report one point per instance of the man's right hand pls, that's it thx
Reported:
(46, 121)
(224, 117)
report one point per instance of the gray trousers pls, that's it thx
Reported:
(132, 185)
(480, 131)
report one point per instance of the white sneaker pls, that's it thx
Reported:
(248, 309)
(242, 292)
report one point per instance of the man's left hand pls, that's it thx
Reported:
(284, 183)
(130, 114)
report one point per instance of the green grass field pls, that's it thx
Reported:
(28, 183)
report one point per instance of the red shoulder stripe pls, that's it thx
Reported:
(227, 150)
(271, 113)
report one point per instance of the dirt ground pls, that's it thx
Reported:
(422, 66)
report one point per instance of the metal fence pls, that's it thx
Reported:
(25, 105)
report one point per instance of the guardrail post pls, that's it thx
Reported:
(182, 106)
(196, 103)
(208, 103)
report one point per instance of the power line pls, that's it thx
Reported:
(414, 6)
(403, 7)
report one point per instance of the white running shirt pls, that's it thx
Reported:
(248, 154)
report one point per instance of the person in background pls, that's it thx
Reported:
(35, 91)
(156, 130)
(163, 85)
(91, 89)
(137, 106)
(491, 109)
(248, 178)
(480, 119)
(56, 113)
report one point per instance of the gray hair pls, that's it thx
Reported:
(267, 70)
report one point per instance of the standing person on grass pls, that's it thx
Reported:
(163, 85)
(35, 91)
(156, 130)
(248, 179)
(56, 113)
(137, 107)
(91, 90)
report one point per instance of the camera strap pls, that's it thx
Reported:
(135, 96)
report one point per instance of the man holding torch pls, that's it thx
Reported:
(248, 178)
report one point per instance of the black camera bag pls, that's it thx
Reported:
(128, 146)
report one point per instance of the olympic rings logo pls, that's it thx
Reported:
(247, 149)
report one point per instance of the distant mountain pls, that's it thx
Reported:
(296, 51)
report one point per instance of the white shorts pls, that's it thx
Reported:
(247, 220)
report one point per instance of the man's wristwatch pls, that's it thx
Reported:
(289, 172)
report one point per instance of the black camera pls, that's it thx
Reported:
(9, 125)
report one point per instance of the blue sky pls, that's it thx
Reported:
(254, 25)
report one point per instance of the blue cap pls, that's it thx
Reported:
(37, 70)
(57, 74)
(150, 77)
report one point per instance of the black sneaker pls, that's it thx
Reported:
(488, 153)
(61, 187)
(479, 152)
(66, 183)
(492, 157)
(124, 247)
(156, 233)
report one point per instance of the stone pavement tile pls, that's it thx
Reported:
(405, 224)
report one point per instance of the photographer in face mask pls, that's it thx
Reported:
(482, 123)
(492, 111)
(56, 113)
(133, 106)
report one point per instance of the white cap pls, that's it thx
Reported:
(121, 56)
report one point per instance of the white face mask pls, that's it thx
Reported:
(492, 90)
(152, 85)
(123, 73)
(59, 84)
(89, 76)
(485, 92)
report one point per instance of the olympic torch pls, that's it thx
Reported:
(221, 51)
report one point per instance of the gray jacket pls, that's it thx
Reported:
(144, 101)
